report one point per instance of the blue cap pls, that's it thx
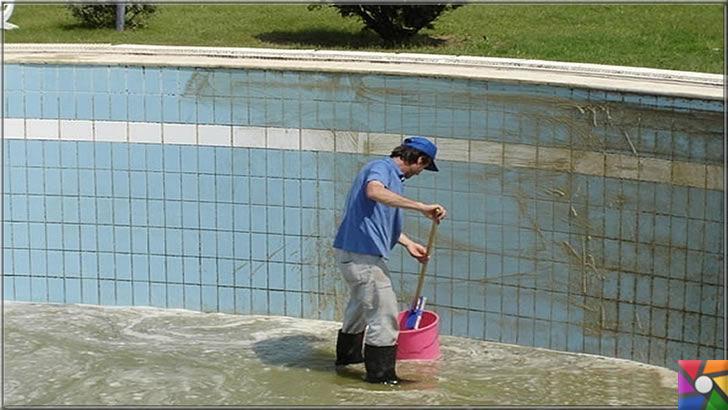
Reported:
(424, 145)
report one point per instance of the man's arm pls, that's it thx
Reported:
(376, 191)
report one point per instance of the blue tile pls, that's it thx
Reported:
(38, 265)
(121, 211)
(101, 104)
(676, 297)
(13, 77)
(208, 243)
(714, 236)
(107, 265)
(173, 186)
(54, 235)
(157, 270)
(156, 241)
(242, 301)
(35, 181)
(225, 272)
(276, 276)
(223, 188)
(209, 298)
(122, 239)
(39, 289)
(225, 244)
(170, 109)
(137, 184)
(206, 187)
(259, 275)
(120, 156)
(71, 264)
(188, 109)
(140, 267)
(173, 241)
(71, 237)
(107, 292)
(273, 221)
(259, 302)
(174, 268)
(172, 157)
(222, 110)
(73, 291)
(50, 105)
(54, 263)
(53, 205)
(14, 104)
(90, 291)
(154, 158)
(89, 264)
(138, 212)
(226, 300)
(192, 295)
(123, 293)
(104, 210)
(22, 288)
(677, 263)
(662, 229)
(675, 325)
(152, 108)
(158, 296)
(207, 215)
(659, 291)
(24, 234)
(191, 266)
(205, 111)
(32, 105)
(141, 293)
(118, 107)
(69, 184)
(241, 246)
(714, 205)
(173, 214)
(190, 214)
(82, 79)
(84, 105)
(155, 212)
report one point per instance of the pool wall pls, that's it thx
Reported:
(584, 219)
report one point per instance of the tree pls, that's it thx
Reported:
(103, 15)
(396, 23)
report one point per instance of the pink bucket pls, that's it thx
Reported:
(422, 343)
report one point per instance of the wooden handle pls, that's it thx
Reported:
(423, 268)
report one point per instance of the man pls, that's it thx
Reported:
(371, 226)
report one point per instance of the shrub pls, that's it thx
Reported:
(103, 15)
(395, 23)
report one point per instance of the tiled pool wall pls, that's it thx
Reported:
(580, 220)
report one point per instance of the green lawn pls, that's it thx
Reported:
(677, 37)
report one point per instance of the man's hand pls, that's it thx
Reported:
(435, 212)
(418, 252)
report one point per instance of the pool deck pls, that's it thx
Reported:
(578, 75)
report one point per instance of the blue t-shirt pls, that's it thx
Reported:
(368, 226)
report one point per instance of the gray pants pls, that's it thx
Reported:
(372, 302)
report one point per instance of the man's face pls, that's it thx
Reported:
(417, 167)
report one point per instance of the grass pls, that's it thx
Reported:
(668, 36)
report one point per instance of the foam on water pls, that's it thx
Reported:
(92, 355)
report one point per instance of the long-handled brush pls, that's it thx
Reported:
(418, 304)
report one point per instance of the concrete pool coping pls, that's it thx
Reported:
(593, 76)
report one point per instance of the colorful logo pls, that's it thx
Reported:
(702, 385)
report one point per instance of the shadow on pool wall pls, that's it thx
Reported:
(580, 219)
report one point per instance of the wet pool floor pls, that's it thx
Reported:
(92, 355)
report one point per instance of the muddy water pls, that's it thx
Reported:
(91, 355)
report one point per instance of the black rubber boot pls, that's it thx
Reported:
(379, 362)
(348, 348)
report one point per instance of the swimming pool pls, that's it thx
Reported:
(586, 202)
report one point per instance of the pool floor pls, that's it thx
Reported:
(93, 355)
